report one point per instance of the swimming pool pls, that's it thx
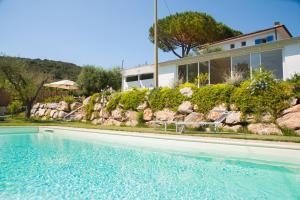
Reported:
(68, 164)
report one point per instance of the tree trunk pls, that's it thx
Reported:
(28, 110)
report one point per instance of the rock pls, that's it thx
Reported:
(131, 115)
(47, 113)
(233, 118)
(293, 109)
(33, 111)
(290, 120)
(75, 105)
(165, 115)
(234, 128)
(293, 101)
(63, 106)
(94, 116)
(185, 107)
(36, 106)
(195, 107)
(194, 117)
(42, 106)
(97, 121)
(55, 115)
(142, 106)
(148, 114)
(52, 113)
(250, 119)
(179, 118)
(117, 114)
(41, 112)
(52, 106)
(152, 124)
(86, 101)
(111, 122)
(62, 114)
(78, 116)
(97, 107)
(266, 117)
(131, 123)
(297, 132)
(264, 129)
(104, 114)
(186, 91)
(216, 112)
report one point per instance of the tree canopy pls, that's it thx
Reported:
(94, 79)
(189, 30)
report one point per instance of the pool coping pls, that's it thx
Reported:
(187, 138)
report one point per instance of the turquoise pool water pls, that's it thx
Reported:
(45, 166)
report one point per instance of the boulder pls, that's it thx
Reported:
(52, 113)
(78, 116)
(293, 109)
(264, 129)
(148, 114)
(104, 114)
(290, 120)
(293, 101)
(55, 114)
(142, 106)
(194, 117)
(179, 117)
(250, 119)
(297, 132)
(63, 106)
(186, 91)
(86, 101)
(97, 121)
(36, 106)
(94, 116)
(97, 107)
(33, 111)
(131, 115)
(216, 112)
(152, 124)
(233, 118)
(165, 115)
(75, 105)
(117, 114)
(185, 107)
(266, 117)
(52, 106)
(131, 123)
(111, 122)
(62, 114)
(234, 128)
(41, 112)
(47, 113)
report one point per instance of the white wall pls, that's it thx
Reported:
(291, 60)
(167, 75)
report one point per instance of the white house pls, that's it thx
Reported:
(274, 48)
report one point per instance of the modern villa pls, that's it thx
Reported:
(274, 48)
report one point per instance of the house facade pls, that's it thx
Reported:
(275, 49)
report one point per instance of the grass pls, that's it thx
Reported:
(20, 121)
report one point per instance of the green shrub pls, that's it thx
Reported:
(211, 95)
(113, 102)
(14, 107)
(90, 106)
(160, 98)
(131, 99)
(295, 80)
(69, 99)
(140, 118)
(53, 99)
(187, 84)
(262, 94)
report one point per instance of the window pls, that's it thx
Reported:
(232, 46)
(132, 78)
(219, 70)
(241, 66)
(192, 72)
(272, 61)
(269, 38)
(182, 73)
(146, 76)
(243, 44)
(255, 61)
(203, 68)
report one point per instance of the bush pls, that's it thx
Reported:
(263, 94)
(53, 99)
(89, 108)
(69, 99)
(211, 95)
(160, 98)
(187, 84)
(295, 80)
(131, 99)
(14, 107)
(113, 102)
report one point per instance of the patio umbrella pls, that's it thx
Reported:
(64, 84)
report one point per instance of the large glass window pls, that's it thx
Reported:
(146, 76)
(131, 78)
(203, 69)
(192, 72)
(255, 61)
(219, 70)
(182, 73)
(272, 61)
(241, 66)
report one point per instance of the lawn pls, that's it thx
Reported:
(20, 121)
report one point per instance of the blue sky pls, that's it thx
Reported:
(103, 32)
